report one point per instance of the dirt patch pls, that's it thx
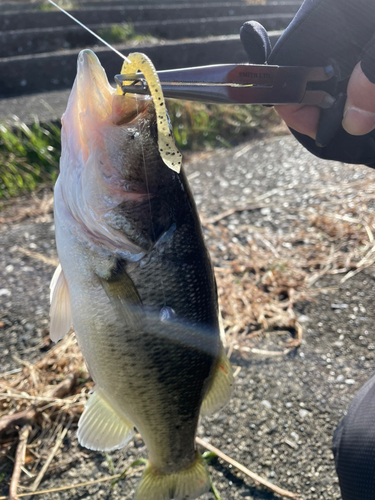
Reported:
(284, 229)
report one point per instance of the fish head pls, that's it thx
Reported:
(111, 170)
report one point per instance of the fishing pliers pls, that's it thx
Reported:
(310, 64)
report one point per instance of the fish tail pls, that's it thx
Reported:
(186, 484)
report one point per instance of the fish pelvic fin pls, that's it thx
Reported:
(101, 427)
(60, 310)
(220, 389)
(187, 484)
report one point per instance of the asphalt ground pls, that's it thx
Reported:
(44, 107)
(281, 418)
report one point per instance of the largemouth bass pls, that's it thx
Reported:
(136, 282)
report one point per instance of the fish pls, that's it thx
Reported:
(136, 282)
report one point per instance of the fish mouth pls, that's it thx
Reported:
(126, 108)
(94, 101)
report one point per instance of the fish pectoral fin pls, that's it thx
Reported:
(220, 389)
(123, 295)
(60, 310)
(187, 484)
(101, 427)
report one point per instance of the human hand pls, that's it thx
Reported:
(359, 112)
(322, 31)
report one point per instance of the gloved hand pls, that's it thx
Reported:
(323, 32)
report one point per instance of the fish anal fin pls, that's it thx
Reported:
(60, 310)
(220, 389)
(187, 484)
(101, 427)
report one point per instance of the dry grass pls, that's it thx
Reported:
(56, 386)
(260, 280)
(40, 403)
(48, 395)
(38, 206)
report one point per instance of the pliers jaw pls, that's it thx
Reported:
(242, 84)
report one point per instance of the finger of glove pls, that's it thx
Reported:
(359, 113)
(256, 42)
(324, 29)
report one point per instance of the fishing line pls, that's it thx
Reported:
(148, 190)
(90, 31)
(128, 61)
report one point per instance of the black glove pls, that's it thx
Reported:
(324, 32)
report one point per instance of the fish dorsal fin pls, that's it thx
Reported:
(101, 427)
(60, 311)
(220, 389)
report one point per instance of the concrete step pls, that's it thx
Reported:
(33, 41)
(40, 6)
(49, 106)
(118, 14)
(54, 71)
(94, 3)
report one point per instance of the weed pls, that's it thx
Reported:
(66, 4)
(110, 463)
(198, 126)
(29, 156)
(136, 463)
(118, 33)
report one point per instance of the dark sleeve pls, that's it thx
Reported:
(354, 446)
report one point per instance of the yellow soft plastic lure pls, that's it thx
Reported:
(167, 147)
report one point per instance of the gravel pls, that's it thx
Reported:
(281, 418)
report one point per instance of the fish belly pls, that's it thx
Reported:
(136, 371)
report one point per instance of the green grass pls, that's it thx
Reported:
(65, 4)
(29, 155)
(118, 33)
(198, 126)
